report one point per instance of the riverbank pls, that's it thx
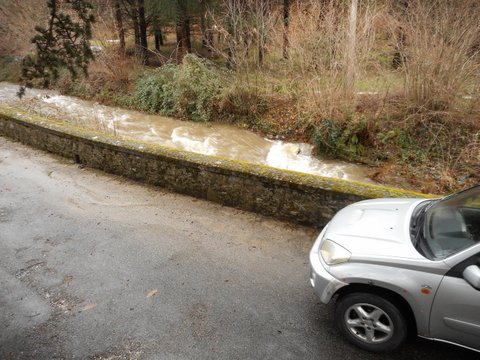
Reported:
(420, 149)
(395, 89)
(415, 149)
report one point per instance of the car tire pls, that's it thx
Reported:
(370, 322)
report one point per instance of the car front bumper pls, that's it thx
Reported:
(324, 284)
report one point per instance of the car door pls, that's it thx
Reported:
(455, 315)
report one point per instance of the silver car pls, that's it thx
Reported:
(403, 265)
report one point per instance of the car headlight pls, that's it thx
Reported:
(333, 254)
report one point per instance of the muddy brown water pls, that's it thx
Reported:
(204, 138)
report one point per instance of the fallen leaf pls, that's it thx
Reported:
(89, 306)
(152, 293)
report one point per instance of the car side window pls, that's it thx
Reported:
(471, 215)
(457, 270)
(453, 224)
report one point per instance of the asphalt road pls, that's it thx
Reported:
(93, 266)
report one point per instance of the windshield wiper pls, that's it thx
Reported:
(417, 228)
(418, 219)
(418, 234)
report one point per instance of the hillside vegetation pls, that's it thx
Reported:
(392, 84)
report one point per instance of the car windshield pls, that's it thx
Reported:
(451, 224)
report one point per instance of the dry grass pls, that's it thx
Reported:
(441, 53)
(418, 123)
(17, 23)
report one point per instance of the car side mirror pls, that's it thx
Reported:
(472, 275)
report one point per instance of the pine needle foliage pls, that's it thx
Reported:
(63, 44)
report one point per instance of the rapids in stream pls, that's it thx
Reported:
(205, 138)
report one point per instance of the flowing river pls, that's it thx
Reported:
(205, 138)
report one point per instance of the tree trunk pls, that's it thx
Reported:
(203, 28)
(260, 53)
(399, 54)
(350, 48)
(230, 59)
(207, 35)
(261, 13)
(180, 41)
(119, 26)
(183, 37)
(161, 36)
(142, 24)
(187, 33)
(136, 29)
(286, 25)
(157, 32)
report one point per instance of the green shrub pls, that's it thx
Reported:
(349, 139)
(155, 92)
(198, 89)
(79, 89)
(190, 90)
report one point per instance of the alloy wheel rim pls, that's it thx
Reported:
(368, 323)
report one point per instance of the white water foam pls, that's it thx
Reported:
(181, 137)
(298, 157)
(61, 101)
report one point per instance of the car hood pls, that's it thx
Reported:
(375, 228)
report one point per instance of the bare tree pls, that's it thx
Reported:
(119, 25)
(350, 59)
(261, 13)
(286, 24)
(400, 7)
(135, 9)
(158, 33)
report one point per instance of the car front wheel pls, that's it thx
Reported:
(371, 322)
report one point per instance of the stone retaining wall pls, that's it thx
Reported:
(288, 195)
